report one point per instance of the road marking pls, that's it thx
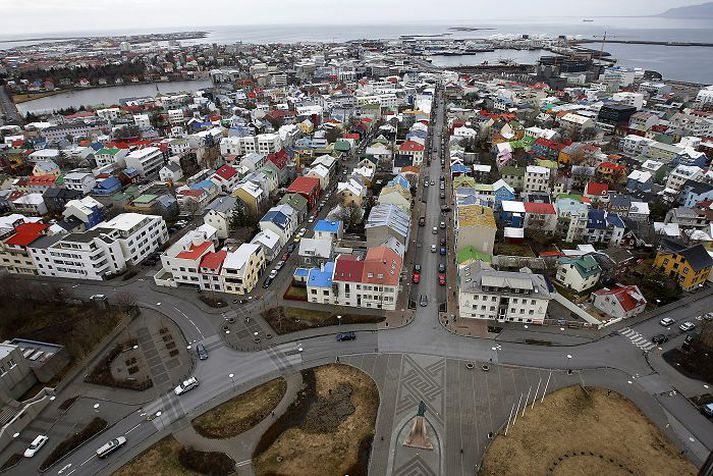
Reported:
(87, 460)
(137, 425)
(244, 463)
(67, 466)
(191, 321)
(71, 471)
(637, 339)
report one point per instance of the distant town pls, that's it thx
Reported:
(437, 229)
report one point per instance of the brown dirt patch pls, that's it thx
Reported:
(241, 413)
(328, 430)
(572, 420)
(292, 319)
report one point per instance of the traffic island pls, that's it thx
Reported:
(169, 458)
(66, 446)
(328, 429)
(577, 427)
(285, 320)
(241, 413)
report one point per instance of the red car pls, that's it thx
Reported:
(442, 279)
(416, 278)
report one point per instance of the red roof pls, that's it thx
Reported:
(411, 146)
(629, 297)
(381, 266)
(352, 135)
(214, 260)
(41, 180)
(195, 251)
(26, 233)
(279, 158)
(550, 144)
(611, 165)
(540, 208)
(304, 185)
(191, 193)
(348, 268)
(226, 172)
(596, 189)
(545, 254)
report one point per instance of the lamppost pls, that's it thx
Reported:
(339, 320)
(232, 379)
(495, 350)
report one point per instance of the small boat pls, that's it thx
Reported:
(588, 20)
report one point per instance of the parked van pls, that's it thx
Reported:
(111, 446)
(422, 221)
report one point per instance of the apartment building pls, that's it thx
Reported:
(504, 296)
(146, 161)
(537, 179)
(15, 256)
(242, 268)
(139, 235)
(111, 156)
(372, 282)
(181, 263)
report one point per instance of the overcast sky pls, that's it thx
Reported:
(37, 16)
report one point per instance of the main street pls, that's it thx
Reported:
(228, 372)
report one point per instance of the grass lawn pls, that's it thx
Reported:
(292, 319)
(514, 249)
(170, 458)
(20, 98)
(327, 430)
(241, 413)
(296, 293)
(159, 460)
(598, 421)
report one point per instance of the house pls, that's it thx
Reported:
(578, 273)
(242, 268)
(333, 229)
(29, 204)
(210, 269)
(604, 227)
(504, 296)
(14, 254)
(87, 210)
(281, 219)
(690, 266)
(182, 261)
(351, 193)
(252, 195)
(537, 179)
(692, 193)
(111, 156)
(298, 203)
(315, 251)
(639, 181)
(475, 228)
(57, 198)
(220, 213)
(572, 217)
(513, 176)
(512, 214)
(270, 242)
(386, 221)
(372, 282)
(319, 284)
(620, 302)
(597, 191)
(540, 218)
(171, 172)
(409, 153)
(147, 160)
(45, 167)
(80, 180)
(308, 187)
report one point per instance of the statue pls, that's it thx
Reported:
(418, 436)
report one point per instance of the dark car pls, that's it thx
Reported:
(443, 242)
(343, 336)
(286, 256)
(417, 268)
(441, 268)
(443, 251)
(268, 281)
(202, 353)
(291, 247)
(659, 339)
(423, 300)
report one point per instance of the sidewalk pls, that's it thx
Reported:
(241, 447)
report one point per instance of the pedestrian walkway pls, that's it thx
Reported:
(241, 447)
(637, 339)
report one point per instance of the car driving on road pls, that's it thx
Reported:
(111, 446)
(423, 300)
(35, 446)
(186, 386)
(687, 326)
(344, 336)
(667, 321)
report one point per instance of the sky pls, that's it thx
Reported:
(34, 17)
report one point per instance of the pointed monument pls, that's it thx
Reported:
(418, 436)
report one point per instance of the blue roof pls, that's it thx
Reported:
(276, 217)
(596, 219)
(109, 182)
(321, 278)
(203, 184)
(400, 180)
(459, 168)
(97, 146)
(327, 226)
(615, 220)
(301, 272)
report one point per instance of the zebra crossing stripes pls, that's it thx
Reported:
(637, 339)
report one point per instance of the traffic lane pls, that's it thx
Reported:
(328, 348)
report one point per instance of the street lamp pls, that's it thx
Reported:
(339, 320)
(96, 408)
(231, 375)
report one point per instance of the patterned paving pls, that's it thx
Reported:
(415, 466)
(422, 379)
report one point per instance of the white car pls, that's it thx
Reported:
(35, 446)
(186, 385)
(433, 248)
(279, 265)
(667, 321)
(687, 326)
(273, 274)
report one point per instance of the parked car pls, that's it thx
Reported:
(707, 410)
(279, 265)
(443, 251)
(344, 336)
(443, 242)
(111, 446)
(417, 268)
(433, 248)
(667, 322)
(35, 446)
(416, 277)
(291, 247)
(659, 339)
(202, 353)
(443, 225)
(186, 386)
(268, 281)
(423, 300)
(442, 279)
(441, 267)
(434, 230)
(687, 326)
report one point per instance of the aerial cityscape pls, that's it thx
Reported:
(316, 241)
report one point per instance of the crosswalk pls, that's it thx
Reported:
(637, 339)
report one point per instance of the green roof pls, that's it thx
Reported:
(111, 151)
(470, 254)
(145, 199)
(342, 146)
(550, 164)
(510, 170)
(573, 196)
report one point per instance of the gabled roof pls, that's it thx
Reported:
(629, 297)
(540, 208)
(226, 172)
(348, 268)
(26, 233)
(304, 185)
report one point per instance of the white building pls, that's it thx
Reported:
(80, 180)
(139, 235)
(146, 161)
(537, 179)
(484, 293)
(630, 99)
(242, 268)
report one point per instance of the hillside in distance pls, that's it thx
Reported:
(704, 10)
